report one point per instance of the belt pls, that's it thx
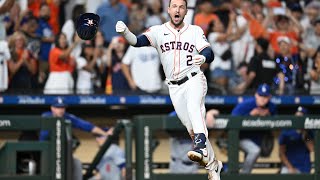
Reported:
(183, 80)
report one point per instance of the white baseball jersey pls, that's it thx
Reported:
(176, 48)
(145, 66)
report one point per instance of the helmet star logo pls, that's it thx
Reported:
(89, 22)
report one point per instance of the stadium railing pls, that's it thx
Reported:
(145, 126)
(55, 154)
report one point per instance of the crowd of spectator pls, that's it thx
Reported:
(255, 41)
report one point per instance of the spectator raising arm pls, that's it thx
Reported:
(6, 6)
(67, 52)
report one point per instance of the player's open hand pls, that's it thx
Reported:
(198, 59)
(121, 27)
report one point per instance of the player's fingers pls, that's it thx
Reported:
(120, 26)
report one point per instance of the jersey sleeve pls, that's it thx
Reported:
(152, 34)
(273, 109)
(79, 123)
(282, 138)
(239, 110)
(127, 58)
(201, 40)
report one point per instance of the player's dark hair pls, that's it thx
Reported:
(183, 0)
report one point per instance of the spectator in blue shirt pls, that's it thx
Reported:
(45, 33)
(250, 141)
(110, 12)
(295, 147)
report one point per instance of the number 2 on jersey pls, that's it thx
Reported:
(189, 60)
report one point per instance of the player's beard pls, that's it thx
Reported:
(176, 24)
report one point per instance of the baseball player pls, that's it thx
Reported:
(250, 141)
(58, 109)
(112, 165)
(295, 146)
(183, 48)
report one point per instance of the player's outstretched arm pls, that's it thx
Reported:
(122, 29)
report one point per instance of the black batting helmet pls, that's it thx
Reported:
(87, 25)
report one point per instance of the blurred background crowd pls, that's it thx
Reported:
(254, 41)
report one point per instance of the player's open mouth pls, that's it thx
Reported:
(176, 17)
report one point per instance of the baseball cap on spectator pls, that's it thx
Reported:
(264, 90)
(302, 110)
(59, 102)
(280, 14)
(283, 39)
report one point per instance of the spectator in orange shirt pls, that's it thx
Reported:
(205, 15)
(35, 5)
(54, 6)
(285, 25)
(61, 66)
(255, 18)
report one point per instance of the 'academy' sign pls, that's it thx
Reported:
(5, 123)
(266, 123)
(312, 123)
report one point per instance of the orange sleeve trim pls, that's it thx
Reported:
(203, 47)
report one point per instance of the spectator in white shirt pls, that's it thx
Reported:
(86, 64)
(4, 58)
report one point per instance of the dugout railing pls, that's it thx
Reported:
(55, 155)
(146, 125)
(122, 124)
